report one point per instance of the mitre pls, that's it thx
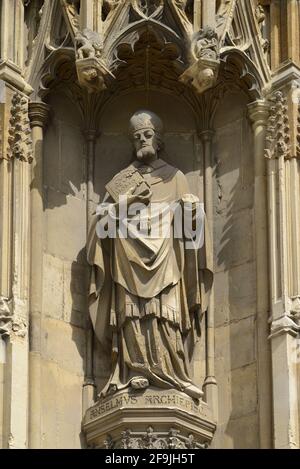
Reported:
(145, 120)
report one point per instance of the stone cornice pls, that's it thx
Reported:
(285, 75)
(11, 74)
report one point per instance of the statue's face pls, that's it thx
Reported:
(210, 33)
(145, 143)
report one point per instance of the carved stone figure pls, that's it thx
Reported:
(223, 11)
(88, 44)
(91, 68)
(206, 44)
(148, 294)
(261, 19)
(203, 72)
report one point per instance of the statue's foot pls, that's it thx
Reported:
(194, 392)
(139, 383)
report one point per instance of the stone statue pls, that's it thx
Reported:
(205, 56)
(88, 44)
(207, 44)
(148, 294)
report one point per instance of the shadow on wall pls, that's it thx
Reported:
(235, 278)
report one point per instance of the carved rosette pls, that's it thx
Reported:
(19, 140)
(278, 130)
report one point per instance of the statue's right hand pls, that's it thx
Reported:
(139, 194)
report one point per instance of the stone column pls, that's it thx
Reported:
(197, 15)
(258, 113)
(38, 114)
(5, 250)
(16, 366)
(87, 13)
(284, 240)
(88, 397)
(209, 13)
(12, 44)
(210, 383)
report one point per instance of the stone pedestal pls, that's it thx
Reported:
(150, 419)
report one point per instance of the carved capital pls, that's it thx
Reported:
(206, 135)
(259, 113)
(91, 135)
(38, 114)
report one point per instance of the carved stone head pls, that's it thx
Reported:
(146, 130)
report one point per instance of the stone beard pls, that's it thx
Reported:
(147, 296)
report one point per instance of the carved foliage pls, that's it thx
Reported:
(19, 140)
(151, 439)
(278, 131)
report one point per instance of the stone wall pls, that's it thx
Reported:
(235, 277)
(65, 279)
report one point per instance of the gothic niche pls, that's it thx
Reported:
(166, 73)
(147, 65)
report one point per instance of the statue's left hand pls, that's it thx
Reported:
(189, 199)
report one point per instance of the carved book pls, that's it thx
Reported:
(124, 181)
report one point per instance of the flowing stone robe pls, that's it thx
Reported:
(147, 296)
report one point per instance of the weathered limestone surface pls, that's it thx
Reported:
(65, 282)
(70, 72)
(235, 280)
